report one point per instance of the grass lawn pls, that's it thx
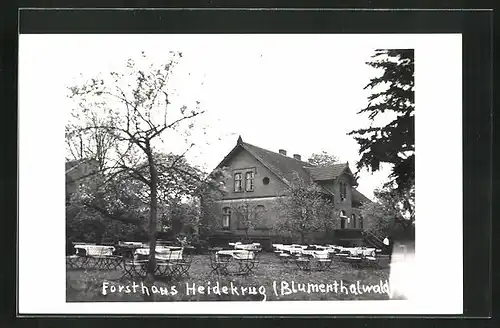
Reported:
(87, 285)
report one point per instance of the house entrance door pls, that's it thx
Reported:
(342, 223)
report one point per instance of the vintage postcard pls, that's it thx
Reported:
(241, 174)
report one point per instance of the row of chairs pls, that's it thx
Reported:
(225, 264)
(322, 261)
(168, 264)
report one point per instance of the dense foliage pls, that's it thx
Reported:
(304, 208)
(393, 214)
(392, 92)
(121, 120)
(322, 159)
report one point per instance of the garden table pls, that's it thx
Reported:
(248, 247)
(99, 256)
(237, 254)
(237, 262)
(132, 243)
(126, 251)
(95, 250)
(218, 263)
(159, 249)
(308, 260)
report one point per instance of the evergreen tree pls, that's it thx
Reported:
(393, 143)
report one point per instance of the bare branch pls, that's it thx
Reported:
(194, 114)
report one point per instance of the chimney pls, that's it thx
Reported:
(296, 156)
(282, 152)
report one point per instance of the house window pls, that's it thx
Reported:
(361, 222)
(249, 181)
(265, 181)
(354, 221)
(226, 218)
(343, 190)
(343, 219)
(237, 182)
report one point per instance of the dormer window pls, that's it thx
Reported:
(249, 181)
(237, 182)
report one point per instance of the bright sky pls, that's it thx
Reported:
(296, 92)
(301, 95)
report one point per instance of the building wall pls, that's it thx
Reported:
(266, 195)
(243, 162)
(263, 194)
(346, 204)
(270, 214)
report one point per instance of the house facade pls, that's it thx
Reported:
(257, 177)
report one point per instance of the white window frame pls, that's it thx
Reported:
(240, 180)
(250, 186)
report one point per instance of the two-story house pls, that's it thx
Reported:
(258, 176)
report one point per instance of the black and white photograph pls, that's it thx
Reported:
(264, 169)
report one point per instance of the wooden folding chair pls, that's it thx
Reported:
(134, 268)
(219, 264)
(303, 261)
(247, 262)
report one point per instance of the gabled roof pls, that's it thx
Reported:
(328, 172)
(359, 197)
(285, 167)
(282, 166)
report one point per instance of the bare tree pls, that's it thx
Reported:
(304, 208)
(133, 110)
(323, 159)
(250, 216)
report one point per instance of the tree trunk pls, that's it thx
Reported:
(152, 221)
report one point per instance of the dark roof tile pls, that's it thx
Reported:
(283, 166)
(327, 173)
(286, 168)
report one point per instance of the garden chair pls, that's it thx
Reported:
(219, 264)
(102, 257)
(323, 260)
(354, 260)
(247, 262)
(342, 255)
(303, 261)
(184, 264)
(371, 261)
(171, 262)
(133, 267)
(76, 261)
